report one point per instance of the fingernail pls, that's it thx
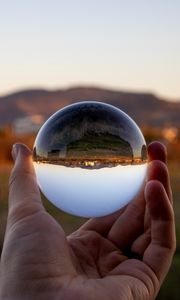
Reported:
(15, 149)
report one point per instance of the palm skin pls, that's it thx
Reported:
(122, 256)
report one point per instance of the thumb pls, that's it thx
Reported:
(24, 194)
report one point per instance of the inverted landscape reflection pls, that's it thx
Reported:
(90, 159)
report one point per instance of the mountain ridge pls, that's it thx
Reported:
(144, 108)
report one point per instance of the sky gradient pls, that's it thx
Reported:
(122, 45)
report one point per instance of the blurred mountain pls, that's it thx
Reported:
(144, 108)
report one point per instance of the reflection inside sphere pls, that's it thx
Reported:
(90, 159)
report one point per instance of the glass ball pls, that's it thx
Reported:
(90, 159)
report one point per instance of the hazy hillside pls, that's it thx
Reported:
(143, 108)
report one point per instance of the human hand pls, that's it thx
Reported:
(122, 256)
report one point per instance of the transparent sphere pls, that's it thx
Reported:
(90, 159)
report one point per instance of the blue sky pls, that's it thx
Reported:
(123, 45)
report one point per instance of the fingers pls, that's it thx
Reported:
(128, 230)
(157, 170)
(158, 254)
(157, 151)
(157, 167)
(24, 195)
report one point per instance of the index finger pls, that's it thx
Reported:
(24, 194)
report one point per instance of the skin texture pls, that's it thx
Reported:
(125, 255)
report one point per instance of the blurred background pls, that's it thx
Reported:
(126, 53)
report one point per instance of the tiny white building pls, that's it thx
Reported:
(28, 124)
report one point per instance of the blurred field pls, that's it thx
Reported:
(170, 288)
